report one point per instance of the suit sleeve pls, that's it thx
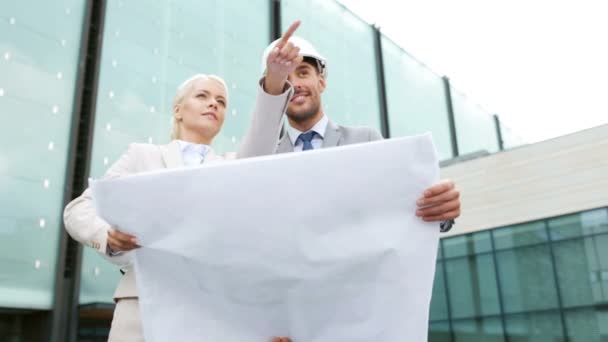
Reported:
(374, 135)
(81, 220)
(263, 133)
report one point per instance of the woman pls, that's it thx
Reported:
(199, 109)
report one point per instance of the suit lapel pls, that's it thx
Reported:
(332, 135)
(172, 156)
(285, 144)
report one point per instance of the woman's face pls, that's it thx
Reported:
(201, 112)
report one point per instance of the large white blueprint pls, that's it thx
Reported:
(320, 246)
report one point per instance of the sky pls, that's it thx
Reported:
(542, 66)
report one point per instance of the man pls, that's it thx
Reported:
(294, 60)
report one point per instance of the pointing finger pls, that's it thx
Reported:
(289, 33)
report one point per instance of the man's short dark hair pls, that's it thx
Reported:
(312, 61)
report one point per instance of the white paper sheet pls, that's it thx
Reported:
(319, 246)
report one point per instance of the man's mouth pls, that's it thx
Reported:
(299, 98)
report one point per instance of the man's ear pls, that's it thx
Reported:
(322, 83)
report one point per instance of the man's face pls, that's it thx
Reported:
(308, 85)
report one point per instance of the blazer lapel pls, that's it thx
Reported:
(332, 135)
(285, 144)
(172, 156)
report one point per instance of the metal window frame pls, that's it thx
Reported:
(63, 320)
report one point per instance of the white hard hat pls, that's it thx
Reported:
(306, 50)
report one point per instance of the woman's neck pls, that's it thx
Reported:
(195, 138)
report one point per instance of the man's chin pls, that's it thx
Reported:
(300, 116)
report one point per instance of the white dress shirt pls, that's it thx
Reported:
(193, 154)
(317, 141)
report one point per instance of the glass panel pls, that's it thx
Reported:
(595, 221)
(439, 332)
(439, 251)
(416, 98)
(520, 235)
(347, 42)
(467, 244)
(510, 138)
(439, 306)
(590, 222)
(580, 264)
(565, 227)
(587, 325)
(475, 128)
(534, 327)
(139, 73)
(482, 330)
(472, 286)
(39, 49)
(526, 278)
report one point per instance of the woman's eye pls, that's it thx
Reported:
(203, 95)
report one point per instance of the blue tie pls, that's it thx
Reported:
(306, 139)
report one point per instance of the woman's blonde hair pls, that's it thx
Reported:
(181, 93)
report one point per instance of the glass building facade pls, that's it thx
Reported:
(538, 281)
(505, 283)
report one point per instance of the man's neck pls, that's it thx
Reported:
(306, 125)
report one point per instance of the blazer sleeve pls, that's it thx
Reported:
(263, 133)
(81, 220)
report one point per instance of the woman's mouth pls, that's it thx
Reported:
(210, 115)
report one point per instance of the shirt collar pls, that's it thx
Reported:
(188, 147)
(320, 127)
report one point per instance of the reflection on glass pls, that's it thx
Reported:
(472, 286)
(467, 244)
(527, 281)
(534, 327)
(587, 325)
(520, 235)
(478, 330)
(475, 127)
(351, 97)
(415, 98)
(439, 332)
(39, 48)
(439, 306)
(590, 222)
(142, 63)
(580, 265)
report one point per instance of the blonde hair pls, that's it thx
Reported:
(181, 93)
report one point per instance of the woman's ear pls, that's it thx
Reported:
(176, 114)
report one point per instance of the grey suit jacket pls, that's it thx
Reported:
(336, 135)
